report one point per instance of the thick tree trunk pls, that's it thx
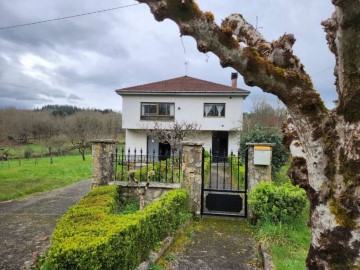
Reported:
(325, 144)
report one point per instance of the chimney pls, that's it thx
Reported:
(234, 76)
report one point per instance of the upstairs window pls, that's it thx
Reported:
(157, 111)
(214, 109)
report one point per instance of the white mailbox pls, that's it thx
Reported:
(262, 155)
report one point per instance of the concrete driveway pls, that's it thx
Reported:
(26, 224)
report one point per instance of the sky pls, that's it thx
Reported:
(81, 61)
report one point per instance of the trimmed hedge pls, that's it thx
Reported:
(91, 236)
(277, 203)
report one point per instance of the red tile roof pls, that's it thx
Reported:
(184, 84)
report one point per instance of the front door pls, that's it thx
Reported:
(164, 151)
(220, 144)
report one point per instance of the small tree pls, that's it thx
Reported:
(173, 133)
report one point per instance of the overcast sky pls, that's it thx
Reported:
(81, 61)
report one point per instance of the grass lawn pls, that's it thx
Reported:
(17, 180)
(288, 243)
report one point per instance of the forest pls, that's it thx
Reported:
(57, 128)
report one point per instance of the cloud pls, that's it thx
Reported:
(84, 59)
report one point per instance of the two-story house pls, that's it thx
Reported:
(216, 108)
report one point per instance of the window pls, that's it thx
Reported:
(214, 109)
(157, 111)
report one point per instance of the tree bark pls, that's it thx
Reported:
(325, 144)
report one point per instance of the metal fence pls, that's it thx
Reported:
(147, 166)
(224, 172)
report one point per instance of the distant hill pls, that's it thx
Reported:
(65, 110)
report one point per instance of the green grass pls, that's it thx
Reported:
(288, 243)
(129, 207)
(17, 180)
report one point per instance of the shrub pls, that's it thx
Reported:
(91, 236)
(277, 203)
(28, 152)
(164, 171)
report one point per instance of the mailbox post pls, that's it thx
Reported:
(259, 163)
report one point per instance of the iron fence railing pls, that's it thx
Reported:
(224, 172)
(147, 166)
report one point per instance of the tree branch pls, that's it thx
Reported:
(343, 39)
(272, 66)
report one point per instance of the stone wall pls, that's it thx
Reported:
(129, 189)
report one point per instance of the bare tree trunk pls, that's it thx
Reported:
(325, 144)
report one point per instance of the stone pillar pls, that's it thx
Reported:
(259, 164)
(192, 173)
(102, 163)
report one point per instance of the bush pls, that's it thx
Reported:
(91, 236)
(28, 152)
(279, 153)
(164, 171)
(277, 203)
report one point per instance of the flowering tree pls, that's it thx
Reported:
(325, 144)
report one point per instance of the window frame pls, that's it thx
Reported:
(157, 116)
(214, 104)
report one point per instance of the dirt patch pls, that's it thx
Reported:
(26, 224)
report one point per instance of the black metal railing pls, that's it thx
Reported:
(224, 172)
(224, 185)
(147, 166)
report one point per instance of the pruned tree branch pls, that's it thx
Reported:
(172, 133)
(272, 66)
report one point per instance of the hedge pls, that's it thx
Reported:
(277, 203)
(91, 236)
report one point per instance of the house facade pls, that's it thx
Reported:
(217, 110)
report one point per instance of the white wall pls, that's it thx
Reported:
(138, 139)
(188, 109)
(135, 138)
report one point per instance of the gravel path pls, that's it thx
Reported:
(26, 224)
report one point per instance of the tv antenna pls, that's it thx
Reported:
(186, 67)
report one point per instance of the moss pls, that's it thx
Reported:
(209, 16)
(350, 109)
(225, 35)
(342, 216)
(183, 11)
(350, 169)
(335, 249)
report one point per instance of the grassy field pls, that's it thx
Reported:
(20, 178)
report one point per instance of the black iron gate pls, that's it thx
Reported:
(224, 185)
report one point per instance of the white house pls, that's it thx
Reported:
(218, 109)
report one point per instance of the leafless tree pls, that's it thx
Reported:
(325, 144)
(84, 126)
(264, 115)
(172, 133)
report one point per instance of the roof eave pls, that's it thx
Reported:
(210, 93)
